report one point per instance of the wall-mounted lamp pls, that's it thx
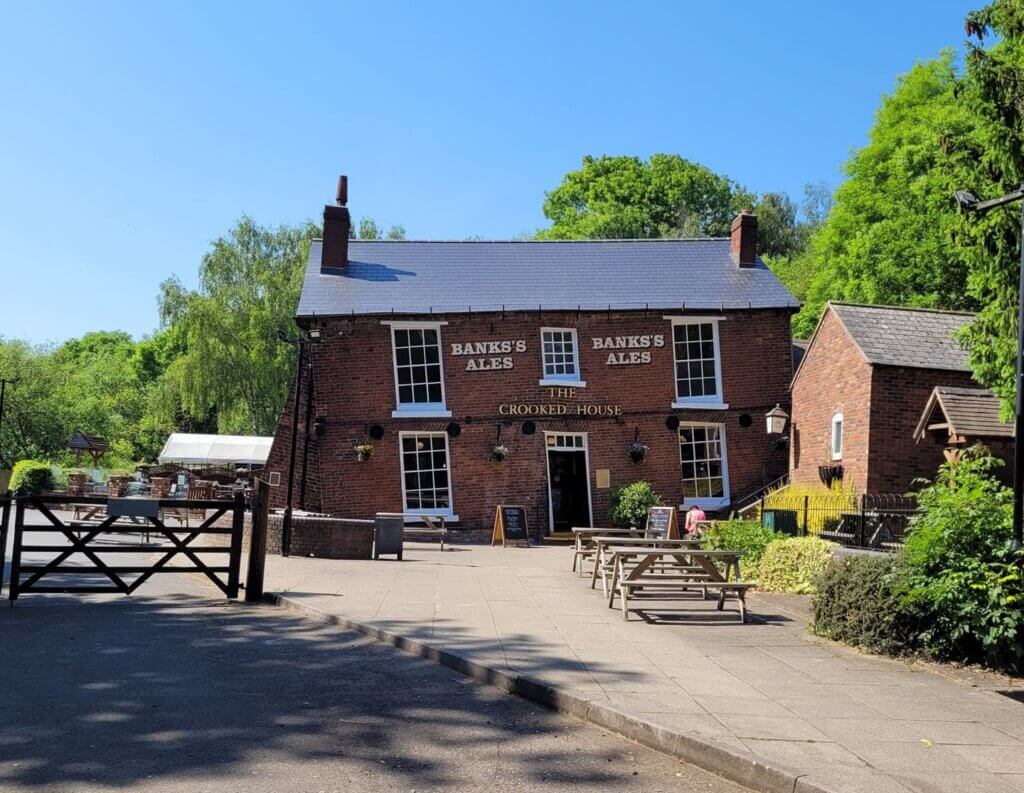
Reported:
(776, 419)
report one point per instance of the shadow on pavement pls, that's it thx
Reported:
(138, 690)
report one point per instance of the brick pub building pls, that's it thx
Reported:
(563, 353)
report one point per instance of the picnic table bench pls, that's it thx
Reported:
(688, 568)
(584, 547)
(603, 562)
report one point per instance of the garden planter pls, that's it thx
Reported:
(159, 486)
(637, 455)
(116, 486)
(830, 473)
(76, 484)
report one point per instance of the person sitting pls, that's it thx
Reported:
(694, 517)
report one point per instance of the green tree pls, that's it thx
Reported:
(233, 363)
(888, 238)
(627, 197)
(993, 150)
(368, 230)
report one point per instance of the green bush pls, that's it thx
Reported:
(629, 504)
(959, 569)
(793, 564)
(31, 476)
(750, 537)
(859, 602)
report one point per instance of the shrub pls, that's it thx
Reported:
(823, 504)
(859, 602)
(793, 564)
(959, 569)
(31, 476)
(749, 536)
(629, 504)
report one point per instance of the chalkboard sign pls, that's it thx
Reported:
(662, 522)
(510, 525)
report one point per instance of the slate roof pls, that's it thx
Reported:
(912, 337)
(412, 277)
(969, 412)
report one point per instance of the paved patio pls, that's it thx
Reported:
(843, 720)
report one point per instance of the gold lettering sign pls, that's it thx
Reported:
(560, 409)
(639, 348)
(498, 354)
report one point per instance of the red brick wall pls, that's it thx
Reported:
(354, 389)
(833, 378)
(898, 397)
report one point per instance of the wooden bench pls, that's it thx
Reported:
(584, 546)
(687, 569)
(604, 562)
(433, 526)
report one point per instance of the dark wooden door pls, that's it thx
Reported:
(570, 490)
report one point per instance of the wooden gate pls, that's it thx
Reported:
(84, 544)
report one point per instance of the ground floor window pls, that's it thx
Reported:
(426, 480)
(702, 456)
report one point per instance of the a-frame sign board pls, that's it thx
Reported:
(662, 522)
(510, 526)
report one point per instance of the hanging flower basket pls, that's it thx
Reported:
(829, 474)
(364, 451)
(498, 454)
(637, 452)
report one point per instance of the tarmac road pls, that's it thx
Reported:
(180, 691)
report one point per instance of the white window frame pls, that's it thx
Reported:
(706, 501)
(837, 421)
(576, 380)
(449, 514)
(554, 447)
(716, 402)
(422, 410)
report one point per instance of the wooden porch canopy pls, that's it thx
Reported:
(93, 445)
(963, 414)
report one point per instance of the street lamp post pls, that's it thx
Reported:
(286, 522)
(970, 203)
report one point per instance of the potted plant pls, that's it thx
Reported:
(498, 454)
(636, 452)
(117, 483)
(830, 473)
(364, 451)
(77, 477)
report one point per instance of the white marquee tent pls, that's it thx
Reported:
(187, 449)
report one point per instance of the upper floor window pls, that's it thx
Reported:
(698, 367)
(560, 356)
(837, 436)
(419, 375)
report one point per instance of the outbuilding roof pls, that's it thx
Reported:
(913, 337)
(416, 277)
(965, 413)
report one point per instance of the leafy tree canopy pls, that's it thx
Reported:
(233, 363)
(888, 238)
(628, 197)
(992, 153)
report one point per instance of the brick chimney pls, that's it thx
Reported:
(744, 239)
(337, 223)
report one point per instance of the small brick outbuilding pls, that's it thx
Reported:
(861, 390)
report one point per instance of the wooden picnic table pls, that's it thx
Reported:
(688, 568)
(585, 548)
(603, 564)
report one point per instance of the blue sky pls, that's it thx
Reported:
(132, 134)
